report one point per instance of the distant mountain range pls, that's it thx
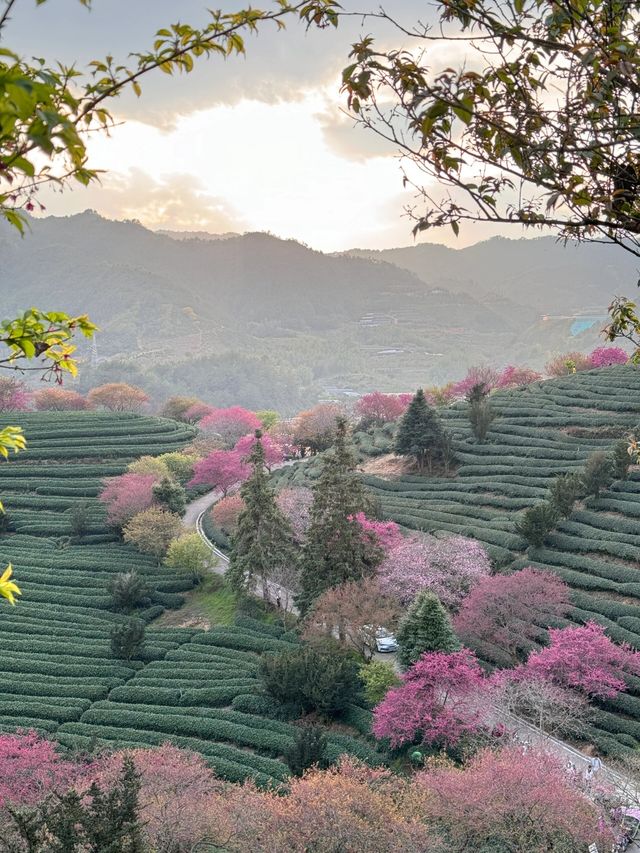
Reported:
(185, 310)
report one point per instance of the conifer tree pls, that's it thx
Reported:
(564, 491)
(425, 628)
(536, 522)
(263, 543)
(621, 460)
(597, 473)
(420, 433)
(337, 550)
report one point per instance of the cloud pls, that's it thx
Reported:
(175, 202)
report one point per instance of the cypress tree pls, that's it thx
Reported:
(564, 491)
(536, 522)
(597, 473)
(263, 541)
(420, 433)
(425, 628)
(335, 550)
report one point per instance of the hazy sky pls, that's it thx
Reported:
(255, 143)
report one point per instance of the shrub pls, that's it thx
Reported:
(80, 519)
(151, 531)
(179, 466)
(378, 677)
(536, 522)
(149, 466)
(564, 491)
(597, 473)
(621, 460)
(170, 495)
(189, 554)
(324, 680)
(127, 638)
(127, 591)
(308, 750)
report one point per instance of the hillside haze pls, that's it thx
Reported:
(317, 324)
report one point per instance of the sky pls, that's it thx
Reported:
(260, 143)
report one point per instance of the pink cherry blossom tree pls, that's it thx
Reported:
(295, 503)
(448, 567)
(126, 496)
(434, 703)
(512, 801)
(314, 430)
(273, 453)
(230, 424)
(221, 469)
(583, 658)
(481, 375)
(197, 411)
(30, 768)
(606, 356)
(14, 395)
(510, 612)
(175, 789)
(225, 513)
(59, 400)
(385, 533)
(512, 376)
(376, 408)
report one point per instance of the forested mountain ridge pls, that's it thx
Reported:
(320, 324)
(542, 274)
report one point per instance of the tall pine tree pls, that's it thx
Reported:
(263, 543)
(336, 549)
(420, 433)
(425, 628)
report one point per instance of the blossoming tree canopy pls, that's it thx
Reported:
(433, 702)
(30, 768)
(273, 453)
(221, 469)
(585, 659)
(230, 424)
(510, 611)
(126, 496)
(448, 567)
(377, 408)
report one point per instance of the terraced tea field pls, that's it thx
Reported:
(542, 430)
(57, 673)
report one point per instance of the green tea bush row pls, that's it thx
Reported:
(201, 727)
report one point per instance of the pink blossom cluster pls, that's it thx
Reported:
(230, 424)
(126, 496)
(386, 534)
(583, 658)
(223, 469)
(606, 356)
(295, 504)
(448, 567)
(31, 768)
(379, 408)
(433, 702)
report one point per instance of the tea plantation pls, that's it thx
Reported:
(542, 430)
(195, 688)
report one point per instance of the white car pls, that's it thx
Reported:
(385, 642)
